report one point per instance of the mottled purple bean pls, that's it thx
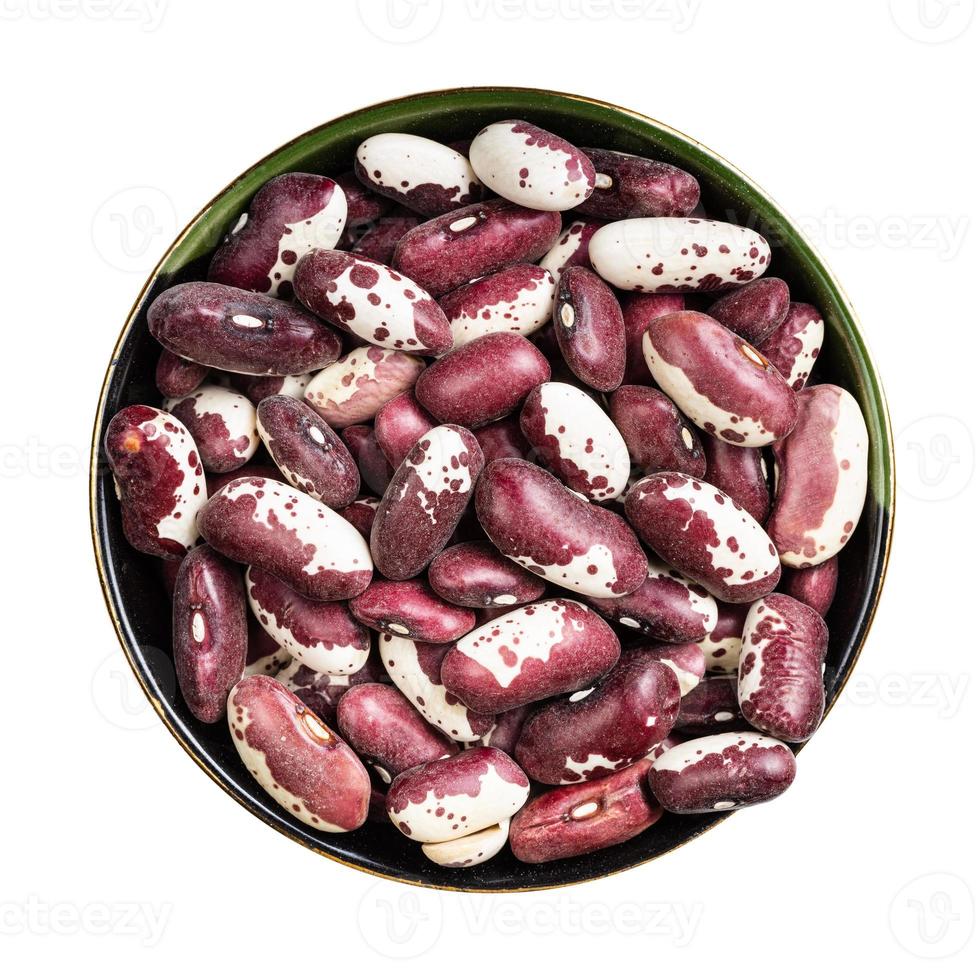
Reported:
(638, 310)
(657, 436)
(686, 660)
(361, 514)
(176, 376)
(724, 643)
(411, 609)
(291, 385)
(321, 693)
(377, 240)
(507, 729)
(222, 423)
(741, 472)
(476, 574)
(503, 439)
(753, 311)
(816, 586)
(376, 472)
(794, 346)
(628, 186)
(399, 425)
(711, 708)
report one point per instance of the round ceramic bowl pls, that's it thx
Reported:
(131, 581)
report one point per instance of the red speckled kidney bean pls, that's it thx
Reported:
(209, 630)
(450, 798)
(288, 534)
(686, 660)
(372, 302)
(657, 436)
(307, 451)
(321, 693)
(361, 514)
(289, 216)
(295, 758)
(411, 609)
(705, 535)
(321, 635)
(425, 501)
(529, 653)
(507, 729)
(536, 521)
(741, 472)
(222, 423)
(363, 206)
(353, 389)
(517, 299)
(575, 439)
(420, 173)
(484, 380)
(584, 818)
(235, 330)
(387, 732)
(780, 670)
(158, 478)
(571, 249)
(476, 574)
(722, 383)
(530, 166)
(795, 344)
(573, 739)
(264, 654)
(821, 478)
(399, 425)
(667, 606)
(722, 772)
(711, 708)
(638, 310)
(376, 472)
(292, 385)
(724, 643)
(474, 241)
(415, 669)
(502, 439)
(175, 376)
(376, 240)
(589, 327)
(816, 586)
(677, 255)
(629, 186)
(753, 311)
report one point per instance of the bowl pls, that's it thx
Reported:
(131, 581)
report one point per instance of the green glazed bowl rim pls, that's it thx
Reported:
(196, 239)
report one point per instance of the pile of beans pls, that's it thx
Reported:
(489, 548)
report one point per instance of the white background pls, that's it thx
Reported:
(858, 118)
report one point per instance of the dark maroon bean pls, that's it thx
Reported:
(209, 631)
(361, 514)
(311, 456)
(176, 376)
(507, 729)
(263, 471)
(795, 344)
(753, 311)
(376, 240)
(235, 330)
(686, 660)
(657, 436)
(484, 380)
(628, 186)
(572, 820)
(502, 439)
(724, 643)
(741, 472)
(722, 772)
(411, 609)
(293, 385)
(711, 708)
(638, 310)
(577, 738)
(539, 523)
(158, 478)
(780, 670)
(375, 470)
(590, 330)
(476, 574)
(532, 652)
(474, 241)
(383, 728)
(362, 205)
(399, 425)
(816, 586)
(425, 501)
(290, 215)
